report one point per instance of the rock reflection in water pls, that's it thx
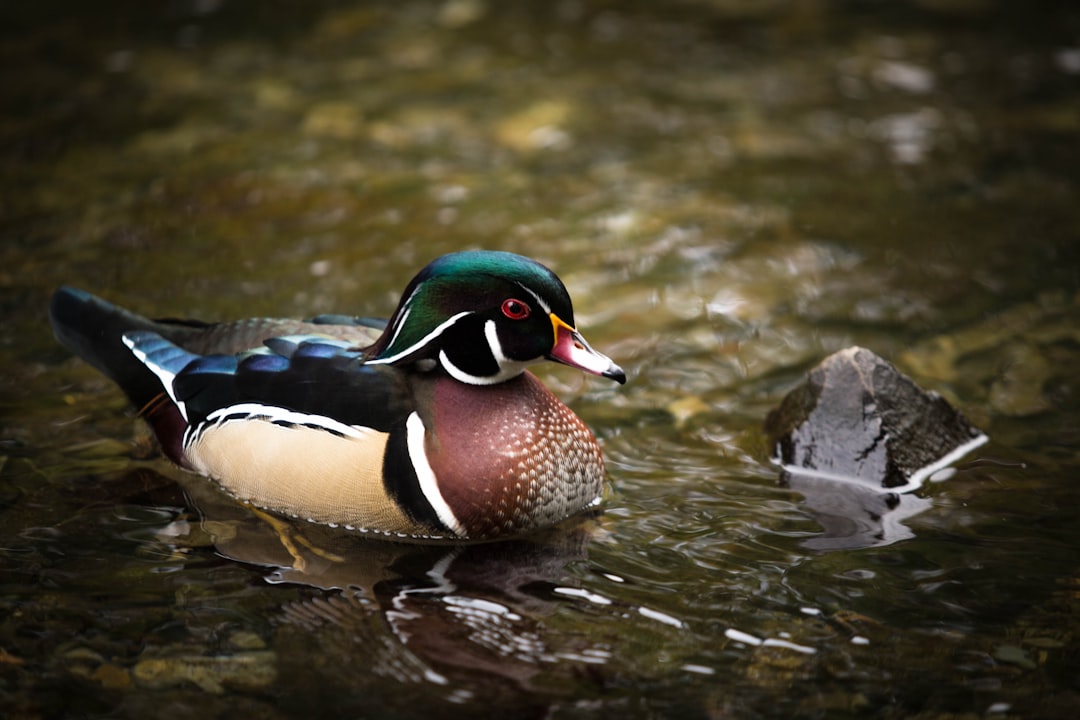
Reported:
(853, 515)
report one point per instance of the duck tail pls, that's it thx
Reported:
(94, 330)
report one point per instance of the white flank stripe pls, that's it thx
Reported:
(423, 341)
(429, 485)
(163, 375)
(276, 414)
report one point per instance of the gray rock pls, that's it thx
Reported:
(858, 418)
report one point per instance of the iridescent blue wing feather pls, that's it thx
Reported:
(313, 376)
(325, 378)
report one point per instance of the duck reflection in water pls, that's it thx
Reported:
(425, 613)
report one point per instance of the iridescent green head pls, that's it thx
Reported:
(483, 317)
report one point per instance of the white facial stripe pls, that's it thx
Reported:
(166, 377)
(400, 324)
(492, 336)
(507, 368)
(539, 300)
(281, 415)
(423, 341)
(425, 476)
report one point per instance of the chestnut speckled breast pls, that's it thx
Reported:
(526, 462)
(426, 427)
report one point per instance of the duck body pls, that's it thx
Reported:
(426, 428)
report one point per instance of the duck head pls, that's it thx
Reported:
(484, 317)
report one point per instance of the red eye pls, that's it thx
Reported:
(515, 309)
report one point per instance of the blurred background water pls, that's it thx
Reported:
(731, 190)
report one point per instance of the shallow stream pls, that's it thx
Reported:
(731, 191)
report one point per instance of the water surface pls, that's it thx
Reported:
(730, 190)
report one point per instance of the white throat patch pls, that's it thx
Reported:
(508, 369)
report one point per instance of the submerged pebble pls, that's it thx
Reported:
(212, 673)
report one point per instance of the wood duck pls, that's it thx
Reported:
(425, 427)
